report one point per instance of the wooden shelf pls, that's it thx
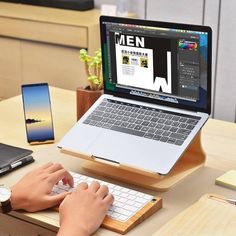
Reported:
(41, 44)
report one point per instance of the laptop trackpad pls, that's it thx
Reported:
(116, 146)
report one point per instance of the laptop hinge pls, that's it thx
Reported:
(105, 161)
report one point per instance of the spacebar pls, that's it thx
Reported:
(127, 131)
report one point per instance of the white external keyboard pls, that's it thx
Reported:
(127, 202)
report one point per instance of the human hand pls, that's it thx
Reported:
(82, 212)
(33, 191)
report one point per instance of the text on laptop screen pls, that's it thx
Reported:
(164, 64)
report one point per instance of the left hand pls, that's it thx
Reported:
(33, 192)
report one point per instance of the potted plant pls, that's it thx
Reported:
(87, 96)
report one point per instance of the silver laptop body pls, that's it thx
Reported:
(151, 70)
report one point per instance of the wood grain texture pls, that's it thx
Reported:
(124, 227)
(208, 216)
(192, 159)
(44, 32)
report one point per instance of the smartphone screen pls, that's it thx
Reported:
(38, 115)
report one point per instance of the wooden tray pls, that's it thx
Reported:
(140, 216)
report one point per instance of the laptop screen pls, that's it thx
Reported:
(163, 63)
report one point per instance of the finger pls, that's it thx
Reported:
(54, 167)
(56, 200)
(94, 186)
(82, 186)
(45, 166)
(103, 191)
(59, 175)
(69, 180)
(109, 199)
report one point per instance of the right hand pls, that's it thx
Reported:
(82, 212)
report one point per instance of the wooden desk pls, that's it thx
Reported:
(218, 138)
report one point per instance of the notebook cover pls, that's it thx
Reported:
(10, 154)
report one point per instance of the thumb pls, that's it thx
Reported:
(56, 199)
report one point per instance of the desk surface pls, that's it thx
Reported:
(218, 140)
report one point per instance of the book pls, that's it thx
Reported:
(12, 157)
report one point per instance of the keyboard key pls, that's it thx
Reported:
(183, 119)
(148, 135)
(107, 126)
(137, 127)
(159, 126)
(168, 122)
(125, 118)
(192, 121)
(178, 136)
(131, 126)
(157, 137)
(140, 117)
(148, 118)
(166, 127)
(190, 127)
(152, 125)
(138, 122)
(118, 122)
(173, 129)
(179, 142)
(152, 130)
(128, 131)
(145, 129)
(145, 123)
(182, 125)
(95, 118)
(87, 121)
(163, 139)
(175, 118)
(183, 131)
(171, 140)
(169, 117)
(166, 133)
(162, 115)
(159, 132)
(161, 121)
(124, 124)
(154, 119)
(131, 120)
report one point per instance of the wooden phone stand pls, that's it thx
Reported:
(192, 159)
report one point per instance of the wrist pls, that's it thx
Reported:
(72, 230)
(16, 201)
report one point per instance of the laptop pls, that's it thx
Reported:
(157, 94)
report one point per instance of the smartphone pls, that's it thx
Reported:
(38, 114)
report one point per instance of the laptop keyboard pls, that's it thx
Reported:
(151, 123)
(127, 202)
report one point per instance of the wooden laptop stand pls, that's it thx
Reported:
(192, 159)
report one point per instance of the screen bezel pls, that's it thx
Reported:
(172, 25)
(23, 99)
